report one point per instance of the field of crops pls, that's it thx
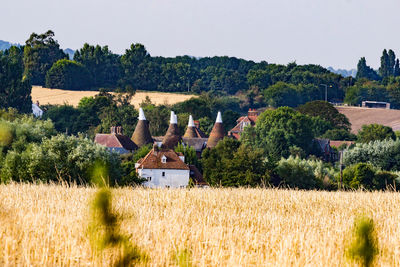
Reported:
(59, 97)
(42, 225)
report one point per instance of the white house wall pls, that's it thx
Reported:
(172, 178)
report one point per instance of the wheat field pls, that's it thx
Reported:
(59, 97)
(46, 225)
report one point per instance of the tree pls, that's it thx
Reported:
(281, 94)
(373, 132)
(233, 164)
(339, 135)
(69, 75)
(365, 71)
(327, 112)
(104, 66)
(40, 53)
(15, 88)
(281, 128)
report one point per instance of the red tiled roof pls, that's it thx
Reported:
(115, 140)
(153, 160)
(196, 175)
(339, 143)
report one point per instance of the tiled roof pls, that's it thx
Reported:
(217, 134)
(194, 132)
(172, 137)
(153, 160)
(197, 143)
(115, 140)
(141, 136)
(339, 143)
(196, 175)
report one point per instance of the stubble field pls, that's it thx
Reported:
(59, 97)
(46, 225)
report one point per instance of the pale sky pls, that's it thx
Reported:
(327, 32)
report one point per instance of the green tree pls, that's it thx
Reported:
(373, 132)
(233, 164)
(15, 88)
(365, 71)
(69, 75)
(40, 53)
(339, 135)
(327, 112)
(104, 66)
(280, 128)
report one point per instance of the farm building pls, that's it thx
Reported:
(116, 141)
(163, 167)
(242, 122)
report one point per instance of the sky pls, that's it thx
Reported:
(327, 32)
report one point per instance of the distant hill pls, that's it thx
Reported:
(359, 116)
(344, 73)
(4, 45)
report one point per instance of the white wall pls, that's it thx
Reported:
(172, 178)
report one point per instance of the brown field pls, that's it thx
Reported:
(57, 96)
(43, 225)
(359, 116)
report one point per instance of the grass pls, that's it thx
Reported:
(46, 225)
(57, 96)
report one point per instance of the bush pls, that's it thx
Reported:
(59, 158)
(69, 75)
(364, 175)
(382, 154)
(375, 132)
(304, 174)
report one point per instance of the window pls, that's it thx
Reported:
(149, 179)
(163, 174)
(164, 159)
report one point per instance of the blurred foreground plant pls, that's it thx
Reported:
(364, 245)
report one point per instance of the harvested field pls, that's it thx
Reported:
(43, 225)
(359, 116)
(59, 97)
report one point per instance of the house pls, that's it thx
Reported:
(194, 137)
(141, 136)
(340, 144)
(116, 141)
(163, 167)
(327, 152)
(197, 177)
(242, 122)
(36, 110)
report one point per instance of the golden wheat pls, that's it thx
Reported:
(46, 225)
(59, 97)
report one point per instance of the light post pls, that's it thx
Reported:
(326, 91)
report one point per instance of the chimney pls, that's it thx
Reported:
(172, 137)
(252, 113)
(141, 136)
(217, 133)
(197, 124)
(112, 129)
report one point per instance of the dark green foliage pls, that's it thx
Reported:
(104, 66)
(327, 112)
(365, 71)
(142, 152)
(105, 233)
(363, 247)
(40, 53)
(66, 119)
(233, 164)
(365, 90)
(15, 88)
(69, 75)
(277, 130)
(374, 132)
(339, 135)
(129, 175)
(189, 153)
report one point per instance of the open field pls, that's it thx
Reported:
(57, 96)
(359, 116)
(46, 225)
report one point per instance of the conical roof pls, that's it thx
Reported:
(191, 129)
(141, 136)
(172, 137)
(217, 133)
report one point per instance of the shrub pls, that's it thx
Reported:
(304, 174)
